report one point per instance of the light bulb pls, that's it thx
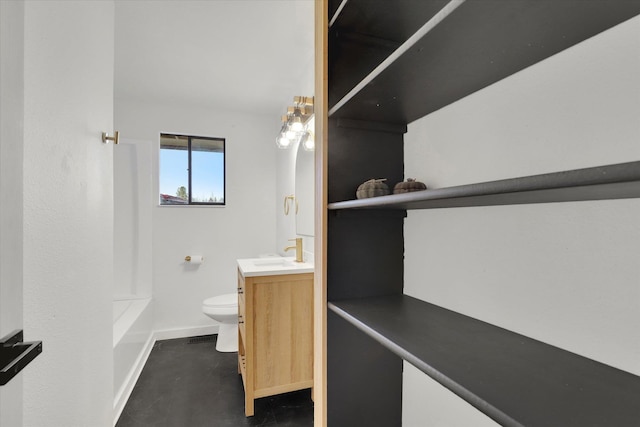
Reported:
(282, 141)
(291, 135)
(309, 144)
(307, 141)
(296, 124)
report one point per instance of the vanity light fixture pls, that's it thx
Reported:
(294, 127)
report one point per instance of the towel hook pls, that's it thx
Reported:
(286, 203)
(115, 138)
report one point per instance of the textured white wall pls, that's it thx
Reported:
(68, 212)
(243, 228)
(568, 273)
(11, 143)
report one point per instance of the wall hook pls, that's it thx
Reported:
(106, 138)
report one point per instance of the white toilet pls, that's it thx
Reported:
(224, 309)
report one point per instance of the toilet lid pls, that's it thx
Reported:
(226, 300)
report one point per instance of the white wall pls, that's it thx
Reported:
(68, 212)
(244, 228)
(567, 273)
(11, 143)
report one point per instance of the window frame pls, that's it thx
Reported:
(189, 138)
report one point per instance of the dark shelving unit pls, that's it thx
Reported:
(478, 43)
(390, 63)
(620, 181)
(513, 379)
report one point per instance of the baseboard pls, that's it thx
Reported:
(166, 334)
(195, 331)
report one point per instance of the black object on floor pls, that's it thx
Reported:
(187, 383)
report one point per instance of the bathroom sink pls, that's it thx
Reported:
(273, 266)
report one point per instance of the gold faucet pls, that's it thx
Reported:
(297, 247)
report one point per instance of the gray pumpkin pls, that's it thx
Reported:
(372, 188)
(408, 186)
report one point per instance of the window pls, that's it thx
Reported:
(191, 170)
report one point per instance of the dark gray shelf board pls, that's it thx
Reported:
(395, 20)
(619, 181)
(334, 5)
(366, 32)
(515, 380)
(478, 44)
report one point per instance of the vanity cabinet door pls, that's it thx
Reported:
(283, 334)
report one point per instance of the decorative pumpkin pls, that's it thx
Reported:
(372, 188)
(409, 185)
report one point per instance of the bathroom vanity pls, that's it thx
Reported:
(275, 322)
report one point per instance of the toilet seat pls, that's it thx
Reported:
(222, 300)
(226, 304)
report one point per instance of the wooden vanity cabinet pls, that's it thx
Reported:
(275, 334)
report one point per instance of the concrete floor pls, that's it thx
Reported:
(187, 383)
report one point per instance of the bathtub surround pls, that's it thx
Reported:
(132, 286)
(133, 203)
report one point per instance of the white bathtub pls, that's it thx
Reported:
(132, 342)
(133, 285)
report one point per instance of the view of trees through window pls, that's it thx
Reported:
(192, 170)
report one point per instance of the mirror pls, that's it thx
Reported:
(304, 191)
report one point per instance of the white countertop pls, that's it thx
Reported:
(273, 266)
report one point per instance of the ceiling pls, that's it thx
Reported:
(238, 55)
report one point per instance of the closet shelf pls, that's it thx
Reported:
(459, 50)
(515, 380)
(619, 181)
(366, 32)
